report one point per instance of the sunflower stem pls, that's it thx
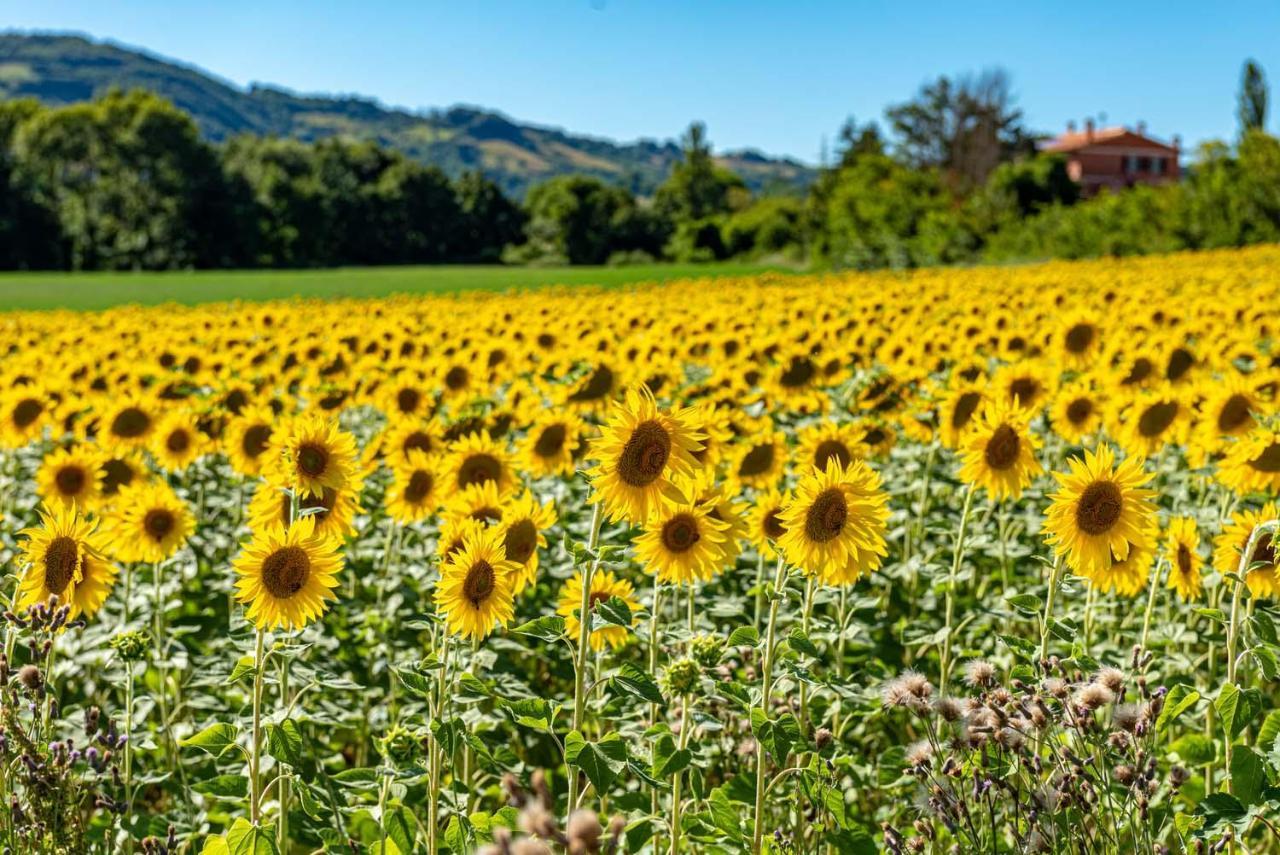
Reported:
(255, 756)
(678, 778)
(779, 584)
(1151, 602)
(956, 559)
(1233, 627)
(128, 750)
(437, 753)
(282, 827)
(1054, 577)
(584, 639)
(653, 675)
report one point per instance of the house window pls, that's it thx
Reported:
(1158, 165)
(1144, 164)
(1130, 163)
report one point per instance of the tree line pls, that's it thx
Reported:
(125, 182)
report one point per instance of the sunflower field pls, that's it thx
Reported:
(962, 560)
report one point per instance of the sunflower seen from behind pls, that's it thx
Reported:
(476, 591)
(149, 522)
(999, 453)
(639, 452)
(1100, 509)
(286, 575)
(604, 586)
(835, 523)
(64, 559)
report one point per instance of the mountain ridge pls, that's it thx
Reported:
(63, 68)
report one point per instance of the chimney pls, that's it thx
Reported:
(1088, 129)
(1142, 128)
(1071, 126)
(1177, 142)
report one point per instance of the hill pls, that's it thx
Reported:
(64, 69)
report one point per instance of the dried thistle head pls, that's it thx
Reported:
(980, 674)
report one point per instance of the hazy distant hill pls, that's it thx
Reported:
(60, 69)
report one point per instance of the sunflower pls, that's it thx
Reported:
(315, 457)
(287, 575)
(128, 425)
(414, 492)
(248, 439)
(453, 535)
(64, 560)
(1252, 463)
(824, 441)
(1230, 409)
(1078, 341)
(835, 523)
(1100, 511)
(1182, 551)
(475, 459)
(25, 411)
(1263, 581)
(1126, 576)
(523, 528)
(549, 444)
(957, 409)
(764, 521)
(149, 523)
(604, 585)
(759, 460)
(683, 544)
(715, 430)
(70, 476)
(1077, 411)
(999, 453)
(119, 470)
(177, 442)
(334, 512)
(402, 436)
(405, 399)
(482, 502)
(1024, 384)
(477, 585)
(1153, 418)
(638, 452)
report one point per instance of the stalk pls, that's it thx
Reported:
(1233, 628)
(779, 584)
(956, 559)
(678, 778)
(1151, 601)
(255, 757)
(653, 674)
(584, 639)
(1055, 576)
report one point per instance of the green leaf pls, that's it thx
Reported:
(284, 742)
(1269, 731)
(776, 735)
(800, 643)
(615, 611)
(223, 786)
(415, 681)
(401, 828)
(725, 814)
(1268, 664)
(450, 734)
(1248, 774)
(853, 841)
(743, 636)
(668, 759)
(1219, 808)
(547, 628)
(1021, 646)
(1212, 614)
(1026, 604)
(244, 838)
(363, 777)
(1180, 699)
(634, 681)
(216, 739)
(1237, 709)
(1195, 749)
(600, 761)
(215, 846)
(243, 668)
(1263, 627)
(459, 835)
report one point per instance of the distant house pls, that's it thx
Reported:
(1115, 157)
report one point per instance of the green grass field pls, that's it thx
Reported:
(87, 291)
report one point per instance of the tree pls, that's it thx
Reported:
(1252, 107)
(575, 219)
(30, 238)
(490, 221)
(857, 140)
(965, 127)
(697, 187)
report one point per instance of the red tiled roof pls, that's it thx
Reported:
(1077, 140)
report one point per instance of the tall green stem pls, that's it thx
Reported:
(956, 559)
(1055, 576)
(584, 641)
(255, 756)
(1151, 602)
(1233, 627)
(779, 583)
(678, 778)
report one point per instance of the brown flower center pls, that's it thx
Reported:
(419, 486)
(130, 423)
(965, 406)
(117, 474)
(521, 540)
(1268, 461)
(827, 516)
(757, 461)
(831, 449)
(456, 378)
(1236, 413)
(600, 384)
(1079, 337)
(1079, 410)
(178, 441)
(479, 468)
(1099, 507)
(1180, 362)
(1184, 560)
(680, 533)
(408, 399)
(285, 571)
(1265, 551)
(1156, 418)
(158, 523)
(255, 440)
(479, 583)
(312, 459)
(26, 411)
(645, 455)
(61, 560)
(71, 480)
(1140, 371)
(550, 441)
(1003, 447)
(417, 441)
(773, 526)
(798, 373)
(1024, 390)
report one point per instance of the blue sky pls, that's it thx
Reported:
(778, 76)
